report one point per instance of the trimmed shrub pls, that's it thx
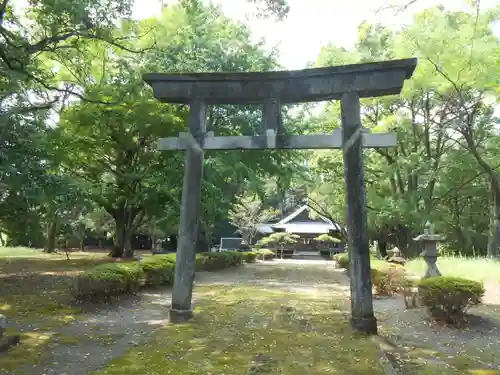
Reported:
(236, 258)
(220, 260)
(389, 280)
(110, 279)
(265, 254)
(121, 277)
(447, 298)
(342, 260)
(158, 270)
(251, 256)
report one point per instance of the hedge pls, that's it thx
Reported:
(107, 280)
(390, 280)
(447, 298)
(158, 270)
(265, 254)
(342, 260)
(386, 281)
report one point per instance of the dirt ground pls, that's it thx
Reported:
(88, 344)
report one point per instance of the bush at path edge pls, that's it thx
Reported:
(447, 298)
(116, 278)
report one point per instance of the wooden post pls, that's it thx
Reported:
(182, 292)
(271, 116)
(362, 317)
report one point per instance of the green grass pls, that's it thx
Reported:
(248, 330)
(21, 252)
(480, 269)
(34, 289)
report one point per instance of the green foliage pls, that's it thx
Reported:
(389, 280)
(137, 186)
(250, 256)
(342, 260)
(158, 270)
(418, 179)
(107, 280)
(265, 254)
(447, 298)
(97, 170)
(279, 239)
(116, 278)
(220, 260)
(327, 239)
(247, 212)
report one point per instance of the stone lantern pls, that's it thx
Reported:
(429, 241)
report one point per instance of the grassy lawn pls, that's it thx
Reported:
(249, 330)
(481, 269)
(36, 285)
(34, 289)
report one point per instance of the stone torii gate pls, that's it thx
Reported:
(346, 83)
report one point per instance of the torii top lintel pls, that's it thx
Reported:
(295, 86)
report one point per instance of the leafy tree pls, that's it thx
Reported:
(279, 240)
(247, 213)
(451, 95)
(325, 238)
(112, 147)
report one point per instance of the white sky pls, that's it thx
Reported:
(313, 23)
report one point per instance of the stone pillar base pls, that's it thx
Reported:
(180, 316)
(367, 326)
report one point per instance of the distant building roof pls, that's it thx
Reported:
(308, 227)
(324, 225)
(265, 228)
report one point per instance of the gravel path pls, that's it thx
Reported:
(411, 328)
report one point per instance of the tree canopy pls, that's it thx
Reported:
(78, 128)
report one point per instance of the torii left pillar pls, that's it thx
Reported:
(182, 292)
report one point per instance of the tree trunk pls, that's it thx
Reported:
(124, 220)
(128, 251)
(153, 236)
(50, 241)
(120, 238)
(81, 237)
(404, 241)
(382, 247)
(494, 232)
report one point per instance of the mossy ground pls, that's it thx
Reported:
(427, 361)
(286, 324)
(250, 330)
(34, 292)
